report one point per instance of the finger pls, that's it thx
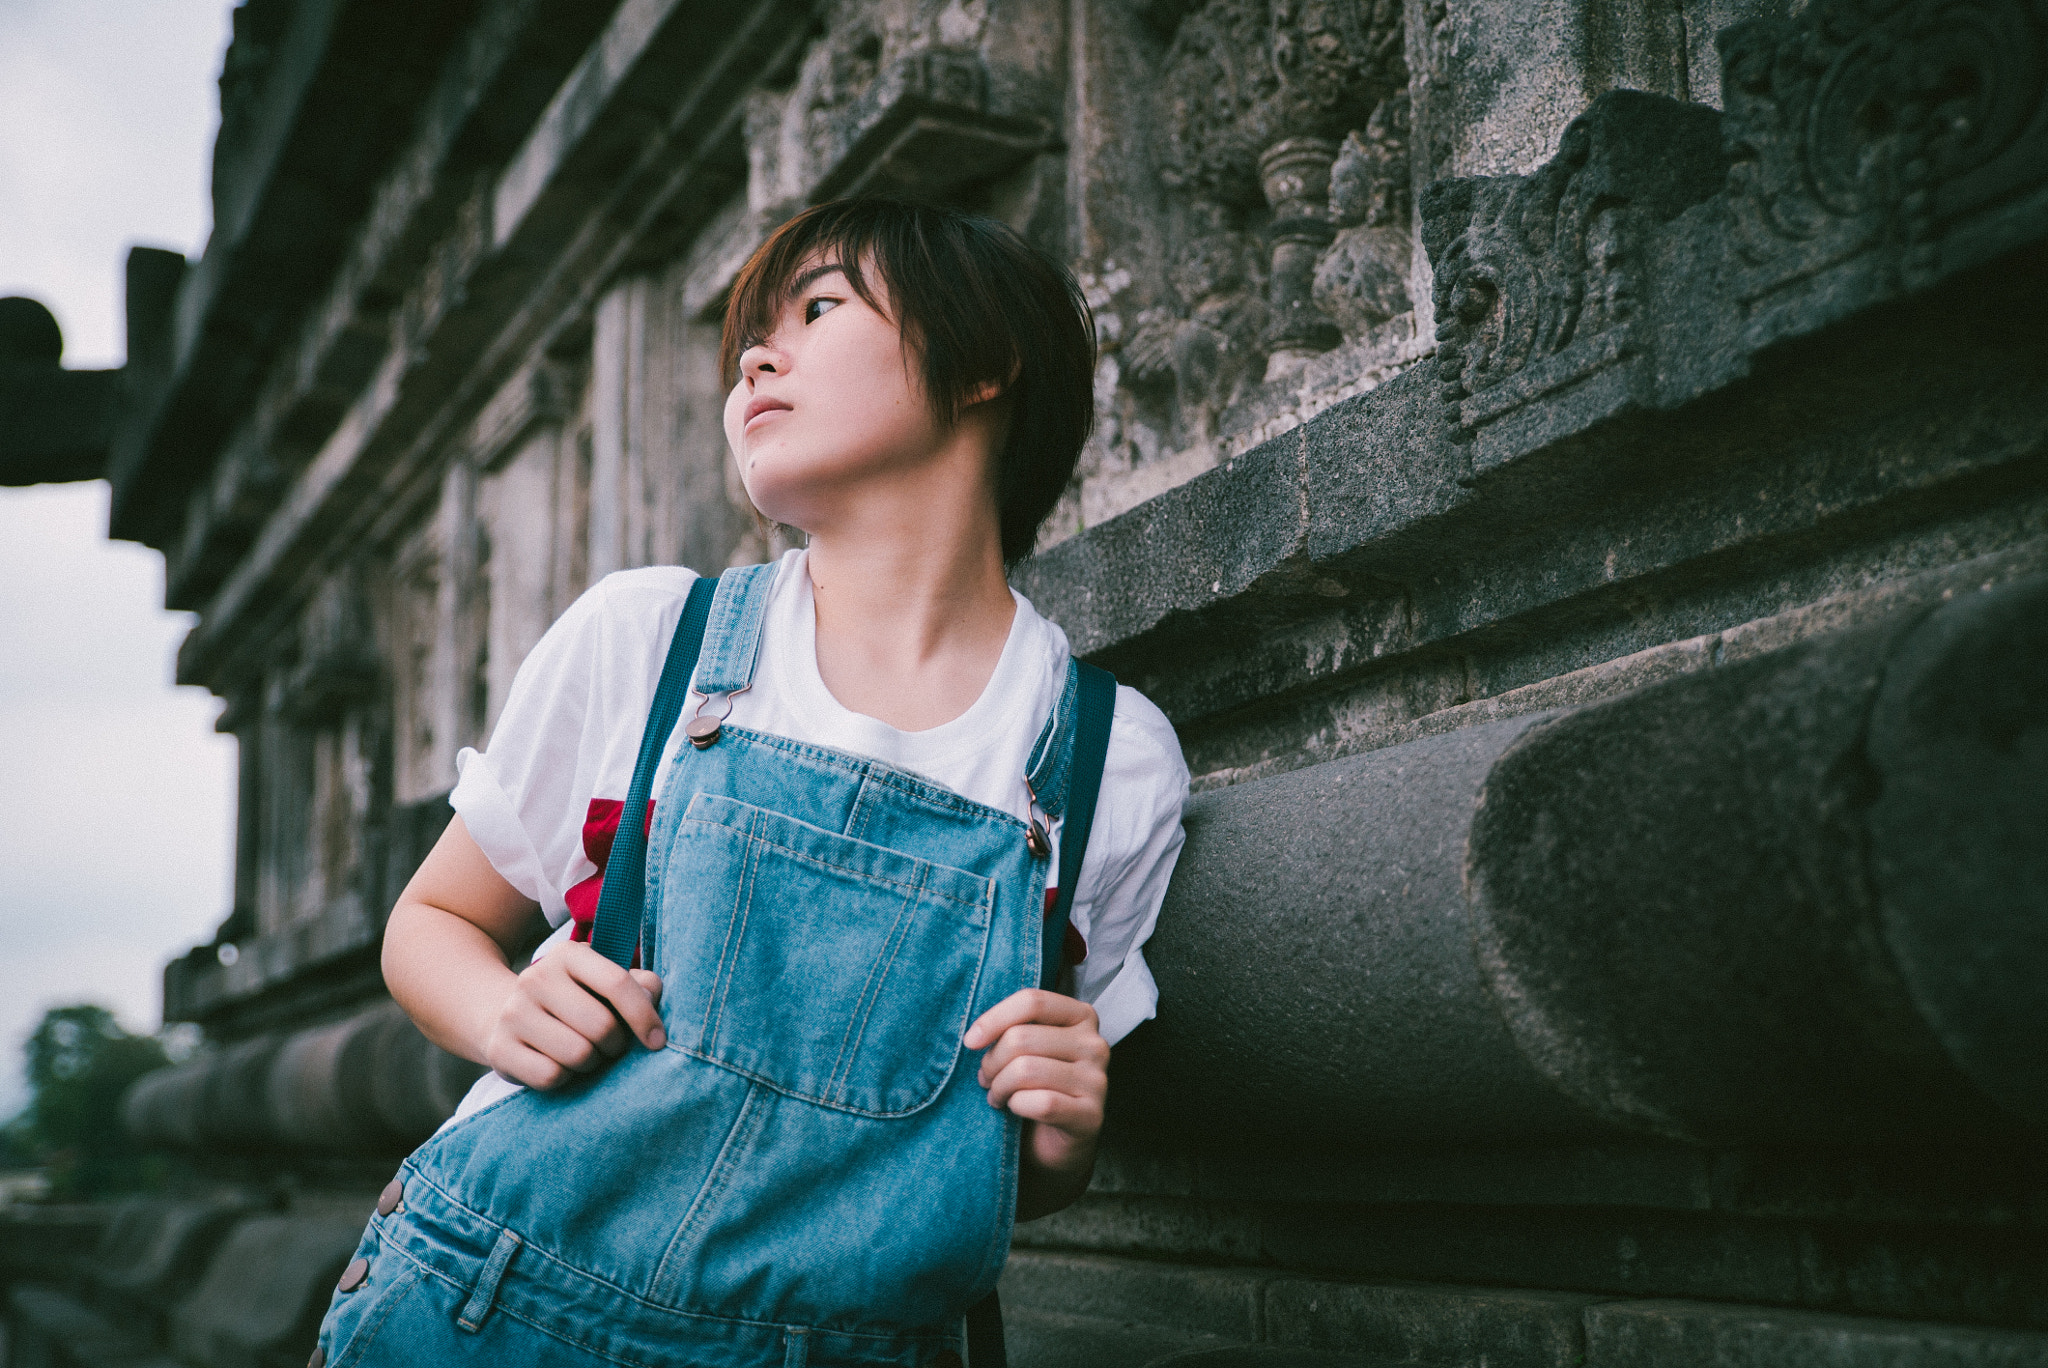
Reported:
(550, 1036)
(1032, 1072)
(1072, 1116)
(648, 980)
(627, 996)
(582, 1011)
(1074, 1043)
(1033, 1005)
(524, 1064)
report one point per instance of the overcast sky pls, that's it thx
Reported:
(116, 796)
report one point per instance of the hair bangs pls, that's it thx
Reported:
(981, 312)
(762, 286)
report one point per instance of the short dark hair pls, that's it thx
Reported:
(976, 304)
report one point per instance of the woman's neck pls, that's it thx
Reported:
(913, 609)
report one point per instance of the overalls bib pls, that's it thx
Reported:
(809, 1173)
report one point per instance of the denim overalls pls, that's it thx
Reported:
(809, 1173)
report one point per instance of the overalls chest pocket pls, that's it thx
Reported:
(830, 969)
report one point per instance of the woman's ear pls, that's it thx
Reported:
(990, 389)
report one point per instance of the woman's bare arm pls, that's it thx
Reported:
(447, 960)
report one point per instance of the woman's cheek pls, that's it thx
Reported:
(735, 409)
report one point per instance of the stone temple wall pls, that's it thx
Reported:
(1575, 473)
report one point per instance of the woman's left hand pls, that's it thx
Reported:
(1047, 1062)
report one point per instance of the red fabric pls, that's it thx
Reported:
(600, 826)
(1073, 949)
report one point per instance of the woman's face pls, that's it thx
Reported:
(826, 401)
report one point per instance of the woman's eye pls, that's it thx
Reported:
(815, 307)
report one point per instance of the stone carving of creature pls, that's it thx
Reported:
(1361, 281)
(1212, 352)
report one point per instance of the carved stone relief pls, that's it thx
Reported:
(1865, 125)
(1255, 100)
(1209, 353)
(1362, 280)
(1536, 275)
(895, 98)
(1279, 132)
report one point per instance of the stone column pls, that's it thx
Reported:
(1295, 175)
(1800, 899)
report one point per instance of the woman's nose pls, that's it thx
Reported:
(762, 358)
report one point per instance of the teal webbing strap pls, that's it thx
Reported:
(616, 933)
(1094, 707)
(985, 1347)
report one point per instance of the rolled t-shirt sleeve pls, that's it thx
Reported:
(1132, 848)
(568, 733)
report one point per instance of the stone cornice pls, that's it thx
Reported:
(319, 127)
(493, 292)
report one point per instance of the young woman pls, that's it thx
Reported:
(770, 1141)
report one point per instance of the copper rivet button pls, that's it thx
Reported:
(352, 1276)
(1036, 842)
(387, 1200)
(702, 731)
(319, 1359)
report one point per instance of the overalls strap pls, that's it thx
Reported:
(1092, 692)
(1071, 782)
(622, 899)
(738, 610)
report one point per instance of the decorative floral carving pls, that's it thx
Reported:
(880, 106)
(1540, 268)
(1866, 123)
(1245, 74)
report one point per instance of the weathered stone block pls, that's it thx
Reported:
(1673, 1334)
(154, 1251)
(49, 1328)
(1344, 883)
(1468, 1327)
(1219, 1302)
(1037, 1339)
(265, 1291)
(1705, 996)
(1272, 1356)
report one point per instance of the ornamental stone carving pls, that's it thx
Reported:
(1536, 275)
(1869, 124)
(1257, 98)
(1212, 353)
(884, 103)
(1362, 280)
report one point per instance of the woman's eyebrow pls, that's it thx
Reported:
(796, 285)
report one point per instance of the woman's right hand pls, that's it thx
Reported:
(573, 1012)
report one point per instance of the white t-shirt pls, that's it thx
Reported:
(543, 801)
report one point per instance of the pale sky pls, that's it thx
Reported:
(116, 796)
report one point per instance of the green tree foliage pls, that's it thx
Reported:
(80, 1062)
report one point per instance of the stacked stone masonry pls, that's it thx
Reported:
(1575, 474)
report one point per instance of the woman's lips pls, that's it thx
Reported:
(761, 408)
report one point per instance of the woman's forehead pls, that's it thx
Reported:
(859, 268)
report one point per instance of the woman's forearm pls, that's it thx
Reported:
(1040, 1190)
(448, 974)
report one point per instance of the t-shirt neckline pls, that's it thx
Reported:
(1010, 685)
